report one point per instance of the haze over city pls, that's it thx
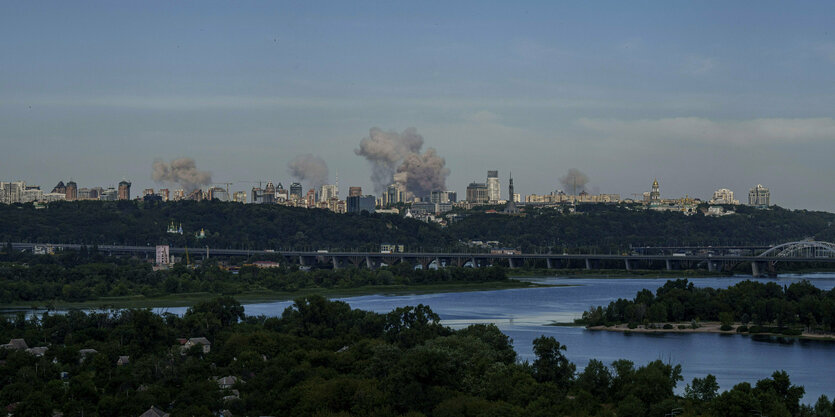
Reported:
(701, 96)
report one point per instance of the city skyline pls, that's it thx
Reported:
(252, 193)
(702, 95)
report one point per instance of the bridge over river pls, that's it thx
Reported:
(762, 264)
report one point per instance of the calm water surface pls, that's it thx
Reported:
(523, 314)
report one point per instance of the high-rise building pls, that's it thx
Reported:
(310, 198)
(327, 192)
(31, 194)
(60, 188)
(12, 192)
(239, 196)
(723, 196)
(71, 191)
(477, 192)
(354, 191)
(179, 194)
(218, 193)
(759, 196)
(164, 193)
(146, 192)
(110, 194)
(196, 195)
(442, 197)
(267, 196)
(358, 203)
(124, 190)
(84, 193)
(393, 195)
(494, 192)
(256, 195)
(295, 191)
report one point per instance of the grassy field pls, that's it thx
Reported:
(187, 299)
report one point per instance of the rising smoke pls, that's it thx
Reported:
(396, 158)
(309, 168)
(181, 171)
(574, 181)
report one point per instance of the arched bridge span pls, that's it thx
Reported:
(802, 249)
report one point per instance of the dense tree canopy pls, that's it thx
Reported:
(618, 227)
(323, 358)
(761, 304)
(265, 226)
(89, 275)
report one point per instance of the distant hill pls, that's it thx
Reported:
(226, 225)
(618, 226)
(257, 226)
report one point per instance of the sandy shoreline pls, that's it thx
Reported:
(705, 327)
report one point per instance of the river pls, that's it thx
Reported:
(524, 314)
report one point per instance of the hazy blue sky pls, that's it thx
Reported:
(701, 95)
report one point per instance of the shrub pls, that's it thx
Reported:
(742, 329)
(632, 325)
(758, 329)
(726, 327)
(681, 327)
(668, 326)
(791, 332)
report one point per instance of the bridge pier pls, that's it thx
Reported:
(588, 264)
(628, 264)
(511, 263)
(669, 264)
(548, 261)
(368, 263)
(757, 269)
(302, 262)
(335, 262)
(475, 264)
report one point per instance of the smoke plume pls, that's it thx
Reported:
(396, 158)
(574, 181)
(181, 171)
(309, 168)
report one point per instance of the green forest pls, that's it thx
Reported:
(599, 227)
(89, 275)
(767, 307)
(616, 228)
(321, 358)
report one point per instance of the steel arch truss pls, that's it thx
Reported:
(803, 249)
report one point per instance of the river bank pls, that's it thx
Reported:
(707, 327)
(263, 296)
(613, 273)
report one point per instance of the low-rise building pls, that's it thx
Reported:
(206, 346)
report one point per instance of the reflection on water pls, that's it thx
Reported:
(524, 314)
